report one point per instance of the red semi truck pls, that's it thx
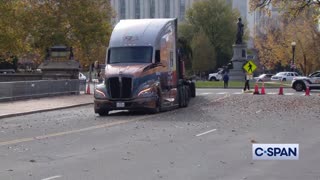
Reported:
(143, 69)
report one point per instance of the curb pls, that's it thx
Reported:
(43, 110)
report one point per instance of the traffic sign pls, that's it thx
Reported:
(250, 67)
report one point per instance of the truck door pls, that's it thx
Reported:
(168, 59)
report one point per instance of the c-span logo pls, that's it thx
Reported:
(275, 151)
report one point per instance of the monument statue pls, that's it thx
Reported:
(239, 54)
(239, 31)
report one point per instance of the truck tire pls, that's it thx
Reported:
(192, 89)
(181, 96)
(102, 112)
(187, 95)
(157, 109)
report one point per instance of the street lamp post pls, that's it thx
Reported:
(293, 44)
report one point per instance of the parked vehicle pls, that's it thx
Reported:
(7, 71)
(143, 69)
(216, 76)
(263, 77)
(284, 76)
(301, 83)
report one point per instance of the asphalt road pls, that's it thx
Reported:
(210, 139)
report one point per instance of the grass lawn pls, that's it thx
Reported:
(236, 84)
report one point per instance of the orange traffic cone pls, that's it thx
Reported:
(88, 88)
(307, 91)
(256, 89)
(263, 91)
(281, 90)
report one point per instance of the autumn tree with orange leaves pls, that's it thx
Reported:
(274, 46)
(30, 26)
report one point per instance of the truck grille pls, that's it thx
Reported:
(120, 87)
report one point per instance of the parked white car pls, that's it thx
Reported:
(215, 76)
(263, 77)
(312, 81)
(284, 76)
(82, 76)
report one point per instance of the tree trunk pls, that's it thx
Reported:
(305, 64)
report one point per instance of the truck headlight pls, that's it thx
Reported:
(99, 94)
(146, 92)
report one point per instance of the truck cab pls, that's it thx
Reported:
(143, 70)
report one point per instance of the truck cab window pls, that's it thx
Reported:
(136, 54)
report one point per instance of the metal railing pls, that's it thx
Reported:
(41, 88)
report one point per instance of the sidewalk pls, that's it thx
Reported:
(15, 108)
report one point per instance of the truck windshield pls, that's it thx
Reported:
(142, 54)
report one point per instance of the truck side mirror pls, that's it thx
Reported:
(157, 56)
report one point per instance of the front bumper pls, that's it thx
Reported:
(133, 104)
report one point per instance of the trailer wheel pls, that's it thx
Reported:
(193, 89)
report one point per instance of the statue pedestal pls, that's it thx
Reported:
(238, 60)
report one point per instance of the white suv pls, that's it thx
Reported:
(301, 83)
(216, 76)
(284, 76)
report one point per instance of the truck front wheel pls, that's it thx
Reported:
(157, 109)
(102, 112)
(192, 89)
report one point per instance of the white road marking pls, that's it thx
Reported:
(289, 94)
(205, 93)
(29, 139)
(52, 177)
(305, 94)
(206, 132)
(272, 93)
(222, 93)
(258, 111)
(178, 127)
(237, 93)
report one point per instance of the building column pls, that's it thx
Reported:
(146, 9)
(176, 8)
(172, 8)
(142, 9)
(127, 9)
(161, 9)
(132, 9)
(157, 8)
